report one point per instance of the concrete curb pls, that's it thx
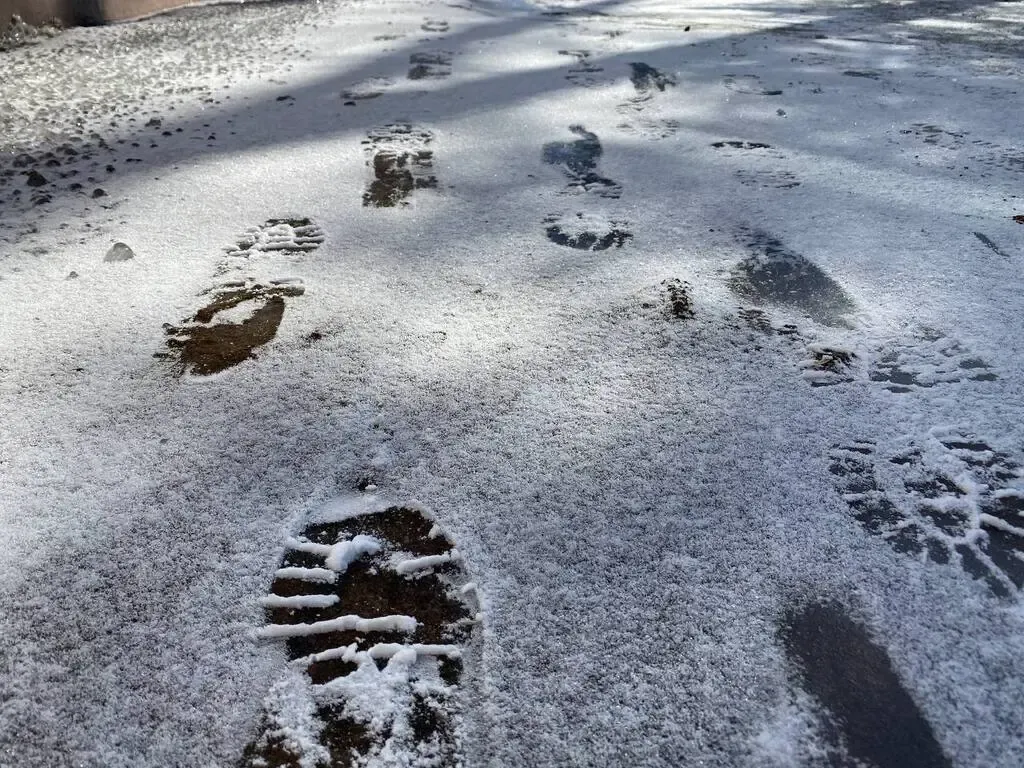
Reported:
(84, 12)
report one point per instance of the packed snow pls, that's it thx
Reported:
(672, 316)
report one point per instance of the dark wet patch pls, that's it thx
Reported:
(777, 275)
(615, 235)
(758, 320)
(203, 349)
(429, 65)
(371, 586)
(119, 252)
(646, 78)
(869, 74)
(740, 145)
(344, 738)
(925, 509)
(854, 466)
(774, 179)
(578, 160)
(987, 242)
(401, 163)
(852, 677)
(677, 296)
(934, 135)
(434, 25)
(748, 84)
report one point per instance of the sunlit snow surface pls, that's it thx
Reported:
(644, 498)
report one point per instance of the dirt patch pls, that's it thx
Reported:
(430, 65)
(777, 275)
(872, 717)
(204, 349)
(343, 738)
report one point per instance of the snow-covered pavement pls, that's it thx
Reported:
(601, 384)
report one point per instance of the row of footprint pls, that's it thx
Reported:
(376, 610)
(380, 621)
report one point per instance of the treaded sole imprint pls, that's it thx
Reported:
(950, 498)
(375, 611)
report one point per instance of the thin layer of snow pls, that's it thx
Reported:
(638, 497)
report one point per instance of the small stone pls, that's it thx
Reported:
(99, 192)
(119, 252)
(71, 275)
(35, 179)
